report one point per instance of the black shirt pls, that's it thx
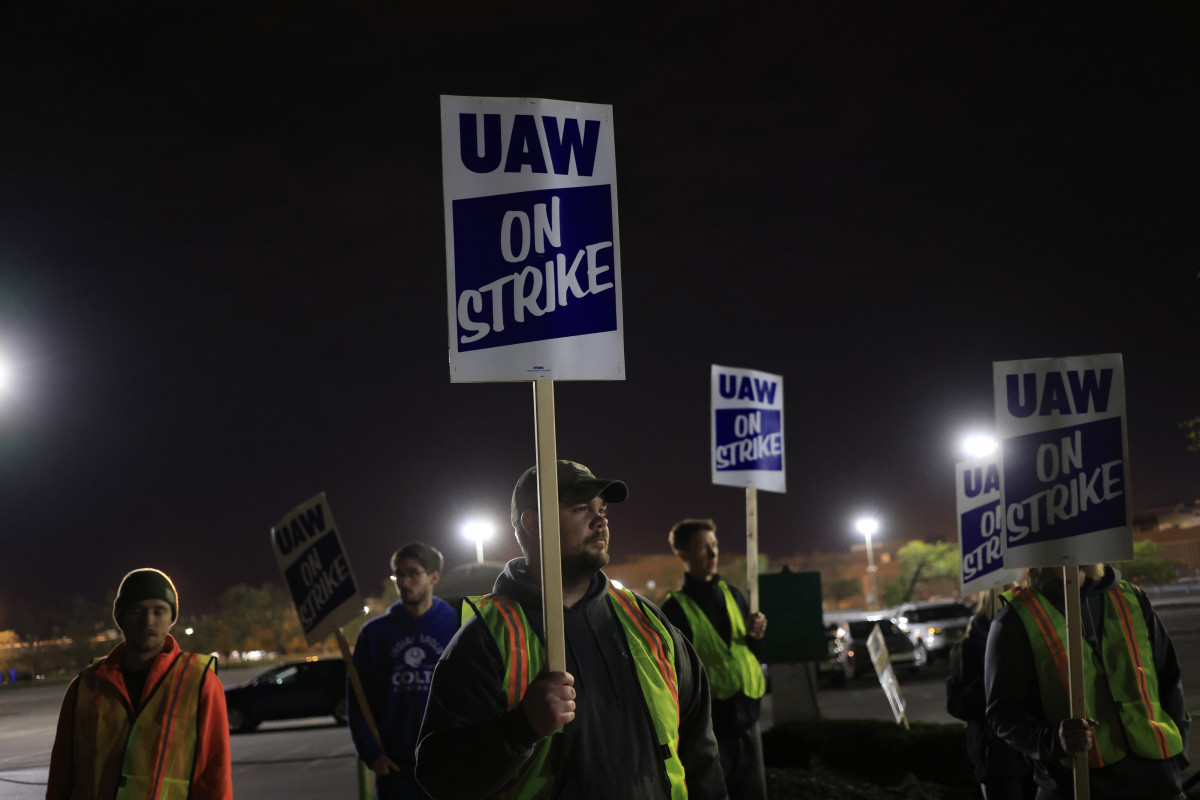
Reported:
(739, 712)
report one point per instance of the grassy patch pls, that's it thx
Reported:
(881, 752)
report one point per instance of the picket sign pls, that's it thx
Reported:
(533, 270)
(308, 549)
(747, 446)
(981, 526)
(1065, 482)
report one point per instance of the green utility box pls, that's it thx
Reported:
(795, 630)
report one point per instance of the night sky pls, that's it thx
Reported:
(222, 265)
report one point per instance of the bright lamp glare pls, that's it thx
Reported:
(866, 526)
(978, 445)
(478, 531)
(6, 376)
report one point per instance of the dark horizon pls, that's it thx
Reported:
(222, 266)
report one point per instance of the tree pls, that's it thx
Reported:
(84, 626)
(921, 562)
(1149, 565)
(1191, 435)
(258, 619)
(840, 575)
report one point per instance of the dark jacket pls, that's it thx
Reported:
(1014, 708)
(395, 655)
(471, 746)
(736, 713)
(994, 761)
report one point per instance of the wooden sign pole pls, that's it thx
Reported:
(551, 544)
(752, 548)
(1071, 583)
(356, 685)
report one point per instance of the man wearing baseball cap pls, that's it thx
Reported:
(634, 697)
(147, 720)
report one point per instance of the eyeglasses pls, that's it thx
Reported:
(411, 574)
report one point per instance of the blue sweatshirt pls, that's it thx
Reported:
(395, 654)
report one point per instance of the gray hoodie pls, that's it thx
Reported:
(471, 746)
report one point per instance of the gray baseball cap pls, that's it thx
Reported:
(576, 484)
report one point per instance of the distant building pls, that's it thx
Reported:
(1167, 518)
(1176, 529)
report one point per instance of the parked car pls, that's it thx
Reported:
(314, 687)
(856, 660)
(935, 625)
(835, 665)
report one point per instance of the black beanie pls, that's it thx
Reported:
(145, 584)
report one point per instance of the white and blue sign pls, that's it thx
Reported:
(981, 526)
(747, 429)
(532, 244)
(1064, 460)
(310, 555)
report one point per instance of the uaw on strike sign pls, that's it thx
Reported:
(981, 526)
(747, 429)
(1065, 463)
(533, 266)
(310, 555)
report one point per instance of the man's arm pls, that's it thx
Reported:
(1013, 700)
(369, 750)
(212, 778)
(466, 718)
(1170, 677)
(59, 785)
(756, 624)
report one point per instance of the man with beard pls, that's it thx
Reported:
(147, 719)
(628, 718)
(394, 656)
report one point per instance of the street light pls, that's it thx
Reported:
(6, 376)
(979, 445)
(478, 532)
(867, 526)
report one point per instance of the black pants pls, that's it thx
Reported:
(742, 761)
(400, 785)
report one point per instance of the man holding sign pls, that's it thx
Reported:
(716, 618)
(1136, 730)
(630, 716)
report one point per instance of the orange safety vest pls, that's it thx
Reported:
(1120, 682)
(147, 757)
(731, 667)
(653, 653)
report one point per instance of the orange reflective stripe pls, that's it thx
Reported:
(1123, 612)
(518, 663)
(168, 724)
(660, 656)
(1047, 628)
(1057, 651)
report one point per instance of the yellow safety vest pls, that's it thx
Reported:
(524, 657)
(731, 667)
(1120, 683)
(156, 750)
